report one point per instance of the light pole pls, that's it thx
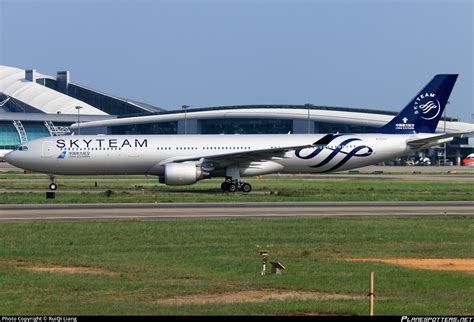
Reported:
(445, 144)
(78, 120)
(308, 107)
(184, 107)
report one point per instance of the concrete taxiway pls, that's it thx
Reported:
(231, 210)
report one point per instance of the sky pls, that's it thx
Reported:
(363, 54)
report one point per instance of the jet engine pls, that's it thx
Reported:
(180, 174)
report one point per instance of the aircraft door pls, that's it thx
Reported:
(47, 149)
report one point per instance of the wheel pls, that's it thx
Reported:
(225, 186)
(53, 186)
(246, 187)
(232, 187)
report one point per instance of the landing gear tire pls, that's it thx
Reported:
(232, 187)
(246, 187)
(53, 186)
(225, 186)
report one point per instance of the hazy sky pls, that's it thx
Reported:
(370, 54)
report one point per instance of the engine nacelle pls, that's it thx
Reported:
(181, 174)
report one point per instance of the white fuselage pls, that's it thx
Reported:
(147, 154)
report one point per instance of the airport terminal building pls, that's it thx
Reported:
(34, 105)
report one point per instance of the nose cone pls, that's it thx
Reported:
(7, 157)
(10, 157)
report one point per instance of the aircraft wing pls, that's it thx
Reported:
(434, 140)
(241, 157)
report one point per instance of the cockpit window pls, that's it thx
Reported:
(23, 148)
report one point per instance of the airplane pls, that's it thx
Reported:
(186, 159)
(469, 160)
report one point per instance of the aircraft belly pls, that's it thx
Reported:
(261, 168)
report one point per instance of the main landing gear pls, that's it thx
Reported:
(233, 186)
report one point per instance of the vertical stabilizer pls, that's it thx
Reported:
(424, 111)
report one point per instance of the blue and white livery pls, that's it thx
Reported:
(186, 159)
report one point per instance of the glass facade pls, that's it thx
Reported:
(149, 128)
(103, 102)
(236, 126)
(9, 137)
(108, 104)
(460, 141)
(50, 83)
(341, 128)
(246, 126)
(35, 130)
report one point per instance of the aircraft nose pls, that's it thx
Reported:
(9, 157)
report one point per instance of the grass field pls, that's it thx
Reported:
(146, 189)
(137, 267)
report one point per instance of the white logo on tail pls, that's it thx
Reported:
(405, 125)
(428, 105)
(425, 108)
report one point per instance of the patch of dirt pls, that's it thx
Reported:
(427, 244)
(52, 268)
(253, 296)
(313, 313)
(443, 264)
(182, 280)
(68, 269)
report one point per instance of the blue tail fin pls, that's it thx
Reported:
(423, 112)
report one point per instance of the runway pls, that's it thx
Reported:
(38, 212)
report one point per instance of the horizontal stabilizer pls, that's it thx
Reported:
(434, 140)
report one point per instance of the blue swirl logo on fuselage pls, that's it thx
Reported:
(356, 151)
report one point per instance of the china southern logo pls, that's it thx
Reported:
(427, 105)
(405, 125)
(62, 155)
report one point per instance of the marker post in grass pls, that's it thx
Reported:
(371, 294)
(264, 254)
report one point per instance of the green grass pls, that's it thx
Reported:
(267, 189)
(159, 259)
